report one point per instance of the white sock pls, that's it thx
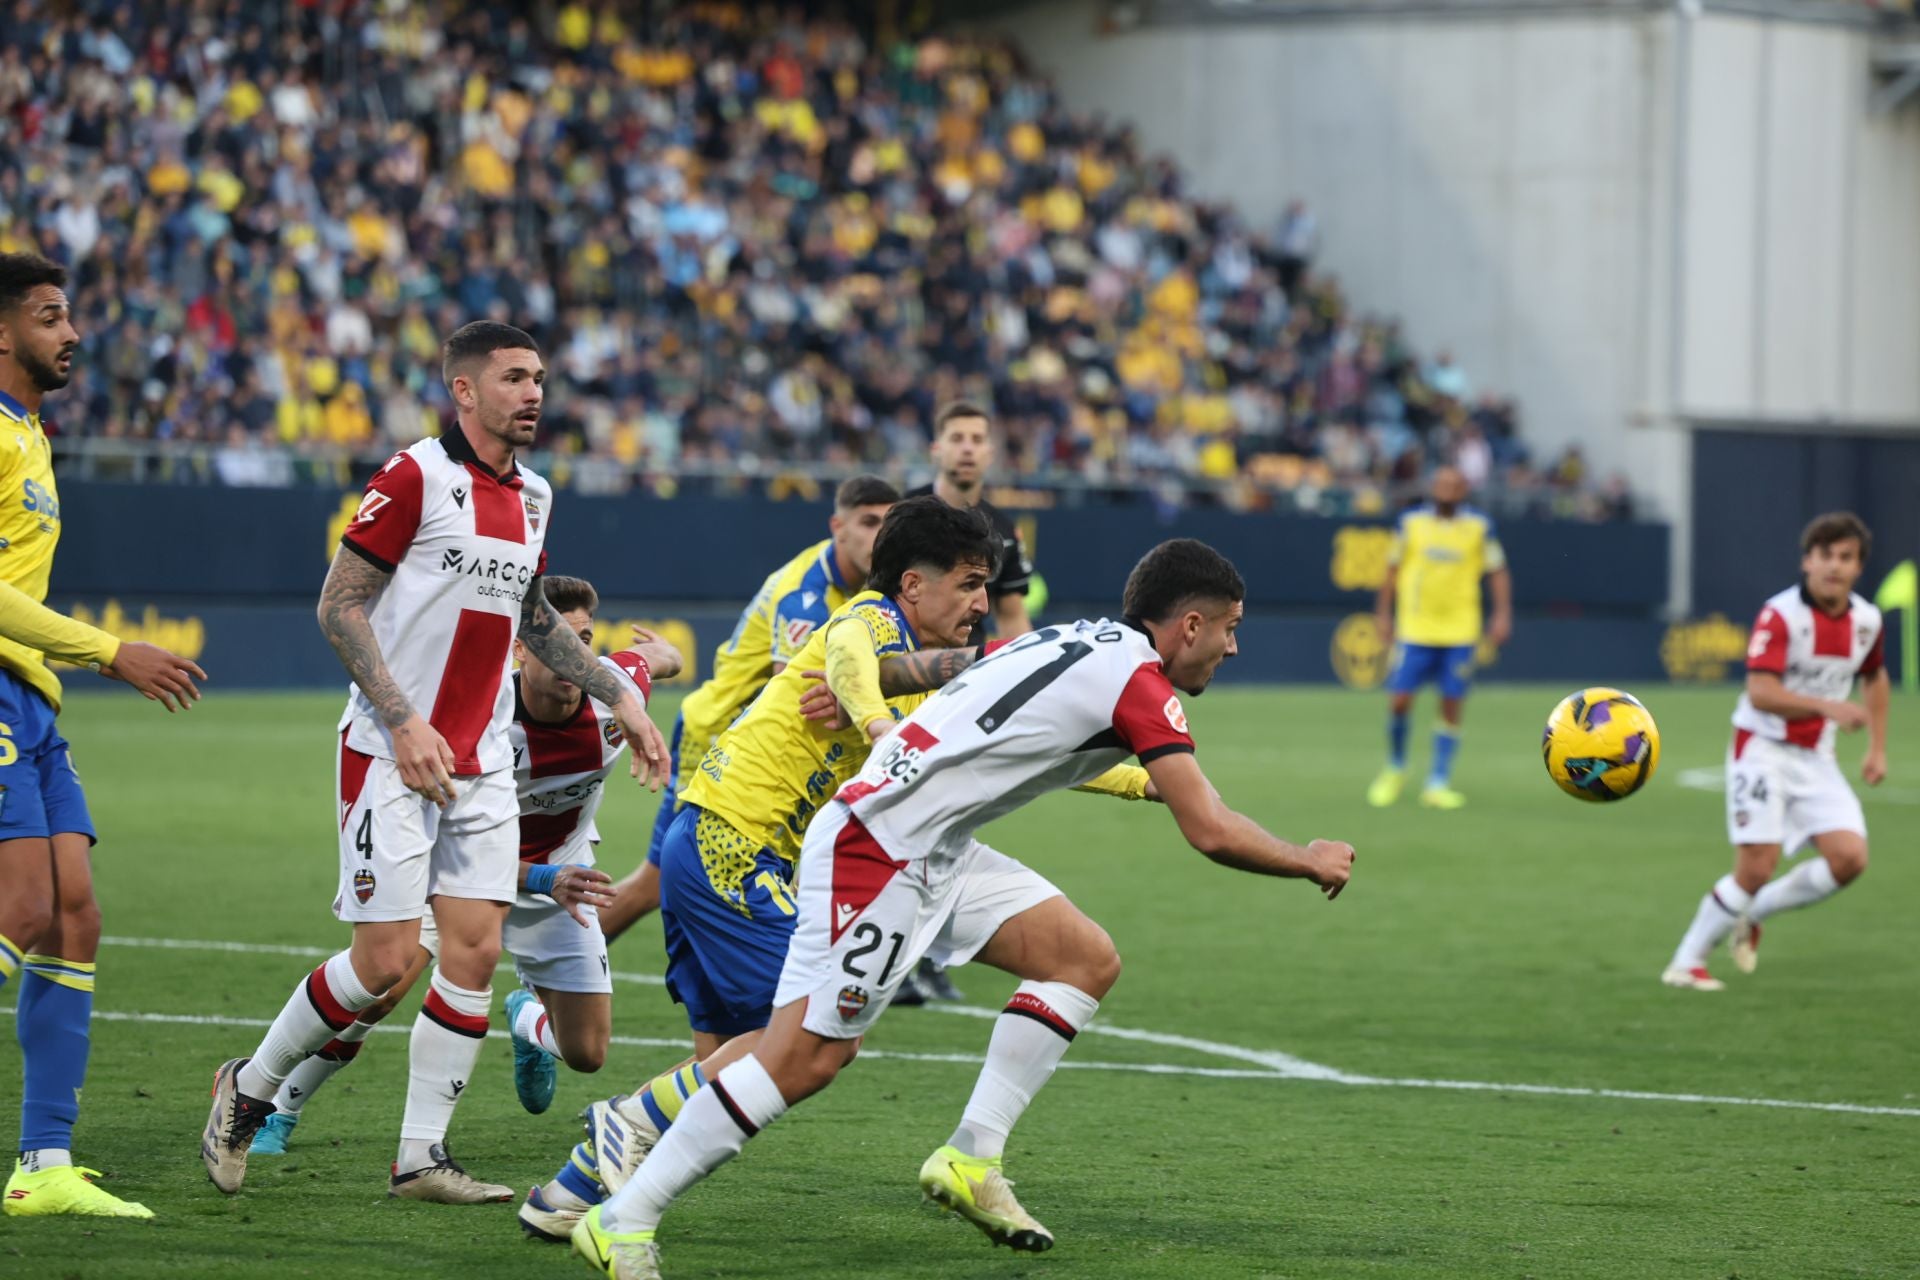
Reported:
(1029, 1038)
(447, 1036)
(1711, 923)
(319, 1067)
(42, 1158)
(319, 1009)
(713, 1126)
(1803, 886)
(533, 1024)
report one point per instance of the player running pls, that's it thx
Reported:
(963, 451)
(565, 746)
(726, 868)
(891, 871)
(49, 921)
(1429, 605)
(433, 577)
(1785, 790)
(794, 600)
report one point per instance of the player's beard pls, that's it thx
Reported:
(46, 374)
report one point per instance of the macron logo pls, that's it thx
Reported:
(843, 912)
(460, 498)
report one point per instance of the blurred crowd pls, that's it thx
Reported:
(745, 239)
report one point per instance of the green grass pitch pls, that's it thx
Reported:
(1515, 943)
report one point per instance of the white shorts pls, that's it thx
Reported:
(550, 949)
(1786, 795)
(889, 918)
(397, 848)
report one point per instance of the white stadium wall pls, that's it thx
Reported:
(1628, 220)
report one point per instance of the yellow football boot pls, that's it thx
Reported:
(976, 1190)
(65, 1189)
(630, 1255)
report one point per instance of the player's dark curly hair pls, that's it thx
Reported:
(864, 491)
(1836, 526)
(22, 273)
(926, 534)
(567, 594)
(477, 341)
(1177, 573)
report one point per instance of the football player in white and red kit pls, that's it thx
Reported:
(891, 872)
(434, 578)
(1785, 789)
(565, 746)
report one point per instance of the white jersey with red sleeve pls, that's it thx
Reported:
(1051, 710)
(1816, 654)
(560, 770)
(463, 545)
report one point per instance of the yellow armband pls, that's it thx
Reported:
(853, 673)
(1127, 781)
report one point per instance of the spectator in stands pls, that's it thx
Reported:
(747, 240)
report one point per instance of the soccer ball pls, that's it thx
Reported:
(1600, 744)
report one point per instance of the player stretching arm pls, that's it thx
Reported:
(1785, 789)
(1429, 605)
(49, 919)
(1083, 696)
(794, 599)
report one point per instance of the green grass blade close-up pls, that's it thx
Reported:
(1465, 1067)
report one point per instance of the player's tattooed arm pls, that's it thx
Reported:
(554, 643)
(351, 585)
(924, 670)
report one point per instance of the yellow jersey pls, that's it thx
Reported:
(29, 532)
(794, 600)
(1441, 560)
(771, 770)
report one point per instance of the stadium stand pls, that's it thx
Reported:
(746, 244)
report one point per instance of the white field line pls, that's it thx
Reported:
(308, 953)
(1713, 777)
(1274, 1064)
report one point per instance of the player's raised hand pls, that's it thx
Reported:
(1331, 866)
(649, 762)
(1849, 716)
(1873, 769)
(818, 702)
(163, 677)
(575, 887)
(424, 760)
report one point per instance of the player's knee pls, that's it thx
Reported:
(26, 917)
(1847, 860)
(585, 1054)
(80, 928)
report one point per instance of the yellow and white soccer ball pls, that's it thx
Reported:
(1600, 744)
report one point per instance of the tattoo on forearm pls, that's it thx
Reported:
(351, 585)
(927, 669)
(550, 640)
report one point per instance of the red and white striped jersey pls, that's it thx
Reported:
(463, 545)
(1053, 709)
(560, 770)
(1816, 654)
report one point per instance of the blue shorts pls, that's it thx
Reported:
(725, 947)
(663, 816)
(1449, 666)
(40, 794)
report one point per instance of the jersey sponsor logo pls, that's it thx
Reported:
(1176, 714)
(371, 505)
(851, 1002)
(454, 560)
(905, 753)
(797, 630)
(363, 884)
